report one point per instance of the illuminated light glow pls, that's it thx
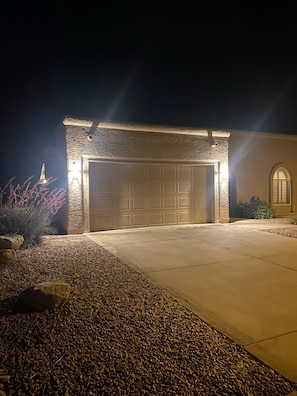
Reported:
(123, 91)
(42, 178)
(224, 173)
(275, 103)
(74, 171)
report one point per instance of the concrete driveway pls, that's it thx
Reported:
(238, 278)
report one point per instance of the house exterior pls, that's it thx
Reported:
(123, 175)
(265, 165)
(130, 175)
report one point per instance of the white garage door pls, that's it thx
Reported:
(126, 195)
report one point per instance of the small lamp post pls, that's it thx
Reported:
(42, 178)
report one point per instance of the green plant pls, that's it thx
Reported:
(28, 209)
(240, 209)
(255, 209)
(293, 220)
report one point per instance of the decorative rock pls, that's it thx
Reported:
(7, 256)
(4, 378)
(46, 295)
(11, 241)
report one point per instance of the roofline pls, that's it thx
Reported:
(268, 135)
(137, 127)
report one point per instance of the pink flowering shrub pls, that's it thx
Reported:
(27, 209)
(31, 194)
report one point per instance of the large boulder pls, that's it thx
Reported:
(11, 241)
(7, 256)
(46, 295)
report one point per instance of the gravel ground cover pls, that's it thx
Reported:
(118, 334)
(289, 231)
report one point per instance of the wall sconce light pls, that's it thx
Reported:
(74, 171)
(224, 173)
(211, 141)
(42, 177)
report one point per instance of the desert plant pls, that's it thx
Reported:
(26, 221)
(240, 209)
(27, 209)
(255, 209)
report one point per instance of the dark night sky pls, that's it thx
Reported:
(201, 66)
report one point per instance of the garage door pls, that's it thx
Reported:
(126, 195)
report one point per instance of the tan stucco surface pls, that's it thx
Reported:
(139, 143)
(253, 157)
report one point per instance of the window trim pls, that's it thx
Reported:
(287, 181)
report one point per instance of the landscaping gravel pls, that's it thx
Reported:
(117, 334)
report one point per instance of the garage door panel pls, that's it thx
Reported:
(184, 202)
(104, 187)
(199, 172)
(155, 202)
(198, 187)
(184, 186)
(170, 202)
(185, 172)
(106, 222)
(139, 219)
(123, 171)
(140, 172)
(156, 219)
(104, 204)
(139, 188)
(155, 188)
(105, 170)
(185, 217)
(121, 187)
(155, 171)
(123, 221)
(170, 171)
(171, 218)
(122, 204)
(170, 187)
(140, 195)
(139, 203)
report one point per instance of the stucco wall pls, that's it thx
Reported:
(138, 145)
(252, 158)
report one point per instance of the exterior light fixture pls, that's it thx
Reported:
(224, 173)
(93, 128)
(42, 177)
(211, 141)
(74, 171)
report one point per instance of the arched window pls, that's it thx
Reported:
(281, 187)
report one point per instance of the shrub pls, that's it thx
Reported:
(28, 209)
(255, 209)
(26, 221)
(293, 220)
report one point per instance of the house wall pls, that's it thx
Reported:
(138, 143)
(252, 158)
